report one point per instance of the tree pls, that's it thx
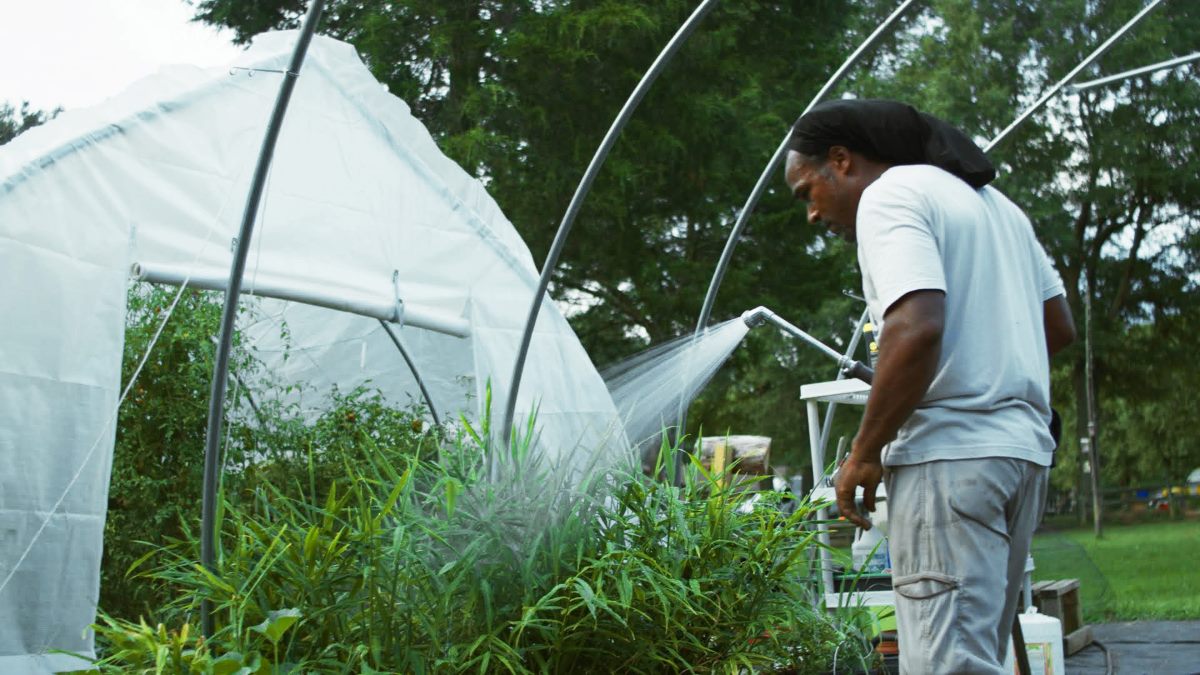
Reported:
(16, 121)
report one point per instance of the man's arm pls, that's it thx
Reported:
(1059, 324)
(908, 358)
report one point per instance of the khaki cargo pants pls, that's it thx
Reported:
(958, 534)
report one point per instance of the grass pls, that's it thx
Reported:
(1134, 572)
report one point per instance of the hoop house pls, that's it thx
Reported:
(363, 219)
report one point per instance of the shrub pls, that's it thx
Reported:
(406, 558)
(365, 542)
(158, 458)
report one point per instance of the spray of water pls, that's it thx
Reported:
(652, 387)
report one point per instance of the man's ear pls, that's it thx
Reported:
(840, 160)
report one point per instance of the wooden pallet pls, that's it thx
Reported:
(1060, 599)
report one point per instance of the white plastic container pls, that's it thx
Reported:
(1043, 642)
(879, 517)
(869, 552)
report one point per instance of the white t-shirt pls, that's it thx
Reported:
(920, 228)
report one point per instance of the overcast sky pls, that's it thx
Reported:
(74, 53)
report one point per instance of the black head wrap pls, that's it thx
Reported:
(891, 132)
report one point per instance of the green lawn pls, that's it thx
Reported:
(1142, 571)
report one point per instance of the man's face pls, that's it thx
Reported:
(830, 201)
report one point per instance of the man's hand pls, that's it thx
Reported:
(855, 472)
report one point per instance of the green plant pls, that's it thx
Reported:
(365, 540)
(142, 649)
(159, 453)
(158, 458)
(407, 558)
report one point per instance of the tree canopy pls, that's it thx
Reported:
(521, 92)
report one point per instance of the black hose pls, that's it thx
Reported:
(861, 371)
(1109, 668)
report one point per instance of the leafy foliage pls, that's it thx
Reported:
(410, 560)
(365, 541)
(140, 648)
(16, 121)
(158, 458)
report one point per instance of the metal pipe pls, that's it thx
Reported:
(249, 395)
(413, 367)
(285, 289)
(760, 315)
(1135, 72)
(585, 185)
(216, 401)
(827, 425)
(1099, 51)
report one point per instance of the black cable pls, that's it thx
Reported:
(1108, 657)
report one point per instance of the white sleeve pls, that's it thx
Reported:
(1051, 282)
(897, 248)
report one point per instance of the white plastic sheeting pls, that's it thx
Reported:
(360, 204)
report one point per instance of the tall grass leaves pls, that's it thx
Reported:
(361, 557)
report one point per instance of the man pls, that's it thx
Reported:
(956, 423)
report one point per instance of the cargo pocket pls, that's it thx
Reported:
(926, 601)
(924, 585)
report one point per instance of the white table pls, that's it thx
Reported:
(842, 392)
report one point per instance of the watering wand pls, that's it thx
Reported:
(852, 368)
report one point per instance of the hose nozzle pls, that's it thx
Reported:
(757, 316)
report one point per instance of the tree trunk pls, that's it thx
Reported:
(1079, 378)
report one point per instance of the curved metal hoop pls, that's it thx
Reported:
(585, 185)
(413, 368)
(1144, 70)
(1099, 51)
(216, 400)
